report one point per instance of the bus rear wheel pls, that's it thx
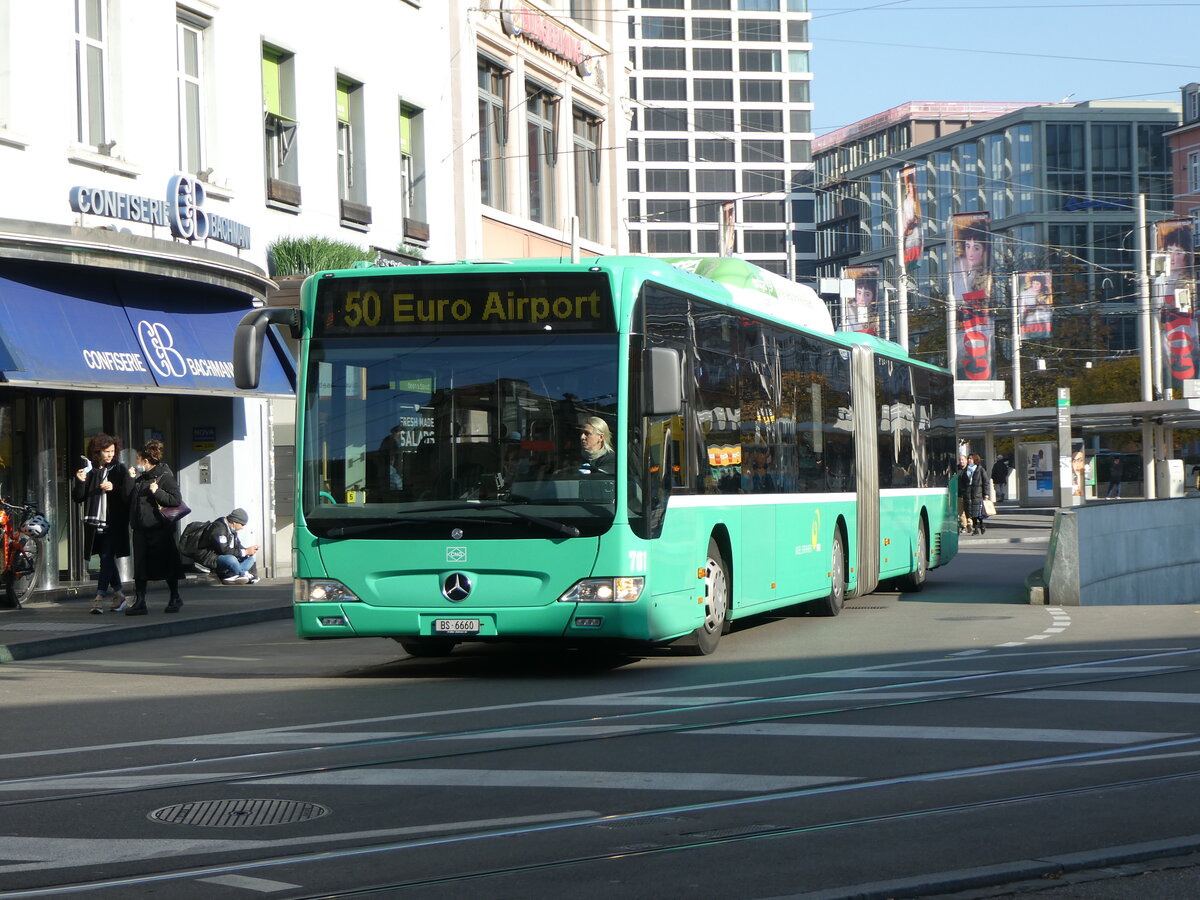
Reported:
(427, 647)
(832, 605)
(915, 580)
(704, 639)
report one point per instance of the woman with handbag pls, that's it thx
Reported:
(155, 553)
(102, 486)
(974, 486)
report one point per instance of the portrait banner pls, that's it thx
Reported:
(911, 225)
(728, 235)
(862, 310)
(1035, 304)
(1174, 238)
(971, 291)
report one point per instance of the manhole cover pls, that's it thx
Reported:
(238, 813)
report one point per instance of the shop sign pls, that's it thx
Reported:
(181, 210)
(204, 437)
(541, 29)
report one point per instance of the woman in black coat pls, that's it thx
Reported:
(155, 553)
(103, 489)
(973, 486)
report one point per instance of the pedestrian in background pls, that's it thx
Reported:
(1114, 479)
(964, 520)
(1000, 472)
(973, 486)
(222, 550)
(155, 554)
(102, 486)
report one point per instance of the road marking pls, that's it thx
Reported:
(951, 733)
(882, 672)
(1106, 696)
(49, 853)
(288, 738)
(107, 782)
(559, 731)
(261, 885)
(563, 778)
(644, 700)
(228, 658)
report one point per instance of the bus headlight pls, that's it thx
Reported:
(605, 590)
(322, 590)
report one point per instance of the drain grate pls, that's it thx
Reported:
(238, 813)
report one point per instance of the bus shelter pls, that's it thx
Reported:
(979, 423)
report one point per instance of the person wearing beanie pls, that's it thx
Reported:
(223, 551)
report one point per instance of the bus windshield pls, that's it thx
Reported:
(506, 436)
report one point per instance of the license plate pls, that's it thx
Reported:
(456, 626)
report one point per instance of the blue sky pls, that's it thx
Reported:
(871, 55)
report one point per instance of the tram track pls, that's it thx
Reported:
(567, 740)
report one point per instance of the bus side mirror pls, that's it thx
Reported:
(664, 384)
(248, 341)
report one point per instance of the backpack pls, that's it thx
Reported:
(189, 541)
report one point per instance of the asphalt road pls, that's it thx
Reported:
(955, 740)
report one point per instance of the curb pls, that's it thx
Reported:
(130, 634)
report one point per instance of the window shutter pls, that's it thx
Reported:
(343, 104)
(405, 133)
(271, 94)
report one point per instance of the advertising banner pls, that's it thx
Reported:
(1035, 303)
(910, 215)
(728, 235)
(862, 310)
(1174, 238)
(971, 291)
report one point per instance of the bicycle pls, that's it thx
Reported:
(22, 529)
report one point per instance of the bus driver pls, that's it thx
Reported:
(595, 440)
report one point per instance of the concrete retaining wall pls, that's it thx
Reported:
(1131, 553)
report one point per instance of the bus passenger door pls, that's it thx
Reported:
(865, 561)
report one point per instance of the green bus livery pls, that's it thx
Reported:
(622, 449)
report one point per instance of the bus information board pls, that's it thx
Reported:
(486, 303)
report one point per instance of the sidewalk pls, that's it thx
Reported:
(47, 627)
(1012, 525)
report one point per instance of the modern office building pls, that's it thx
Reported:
(538, 128)
(721, 131)
(1058, 180)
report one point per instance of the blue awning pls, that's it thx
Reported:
(83, 329)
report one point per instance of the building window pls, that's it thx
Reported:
(710, 210)
(91, 73)
(541, 126)
(759, 60)
(666, 181)
(762, 120)
(1193, 172)
(586, 140)
(763, 181)
(352, 182)
(666, 150)
(664, 241)
(799, 121)
(710, 59)
(665, 88)
(709, 181)
(668, 211)
(493, 132)
(714, 119)
(672, 58)
(797, 60)
(665, 120)
(757, 90)
(762, 151)
(758, 5)
(279, 106)
(764, 211)
(758, 30)
(764, 241)
(412, 167)
(798, 91)
(798, 32)
(719, 150)
(710, 4)
(662, 28)
(713, 89)
(712, 30)
(189, 76)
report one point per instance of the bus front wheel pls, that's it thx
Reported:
(832, 605)
(704, 639)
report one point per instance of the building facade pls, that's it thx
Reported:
(147, 172)
(538, 116)
(1059, 182)
(719, 152)
(1185, 155)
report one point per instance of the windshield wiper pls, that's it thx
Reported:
(419, 515)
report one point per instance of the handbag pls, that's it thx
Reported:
(172, 514)
(989, 508)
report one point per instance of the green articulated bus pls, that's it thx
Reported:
(622, 449)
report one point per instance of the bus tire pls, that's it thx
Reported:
(914, 581)
(427, 647)
(704, 639)
(832, 604)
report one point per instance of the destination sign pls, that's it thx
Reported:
(418, 303)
